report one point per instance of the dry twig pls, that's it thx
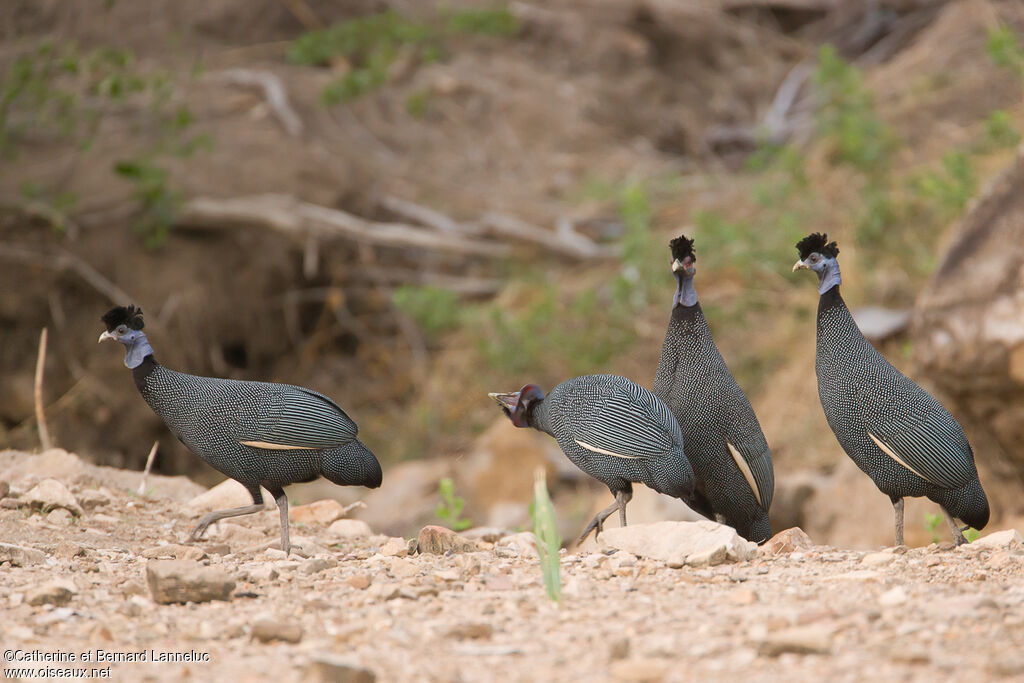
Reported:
(274, 92)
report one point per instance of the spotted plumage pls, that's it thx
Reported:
(611, 428)
(257, 433)
(724, 443)
(896, 433)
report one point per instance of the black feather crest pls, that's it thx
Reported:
(817, 242)
(681, 248)
(123, 315)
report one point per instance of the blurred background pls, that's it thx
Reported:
(405, 205)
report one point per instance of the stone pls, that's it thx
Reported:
(1008, 538)
(675, 542)
(175, 551)
(471, 630)
(67, 550)
(487, 534)
(262, 573)
(319, 512)
(227, 494)
(523, 544)
(395, 547)
(359, 581)
(893, 597)
(327, 667)
(268, 629)
(49, 494)
(639, 670)
(787, 541)
(401, 568)
(742, 596)
(53, 593)
(437, 540)
(186, 581)
(801, 640)
(60, 517)
(877, 559)
(384, 591)
(317, 564)
(618, 649)
(349, 528)
(90, 499)
(5, 488)
(20, 556)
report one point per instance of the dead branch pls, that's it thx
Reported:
(465, 285)
(44, 433)
(300, 220)
(564, 241)
(274, 92)
(432, 218)
(64, 260)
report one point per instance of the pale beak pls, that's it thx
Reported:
(509, 400)
(798, 265)
(677, 266)
(106, 335)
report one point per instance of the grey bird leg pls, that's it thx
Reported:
(958, 535)
(623, 497)
(597, 523)
(282, 504)
(897, 506)
(218, 515)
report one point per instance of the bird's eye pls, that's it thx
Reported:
(121, 329)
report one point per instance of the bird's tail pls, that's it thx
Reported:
(352, 465)
(968, 503)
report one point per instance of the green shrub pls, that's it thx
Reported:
(435, 310)
(449, 510)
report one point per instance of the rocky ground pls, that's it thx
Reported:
(88, 565)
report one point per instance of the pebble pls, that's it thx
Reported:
(5, 488)
(787, 541)
(471, 630)
(174, 551)
(395, 547)
(320, 512)
(438, 540)
(57, 592)
(618, 649)
(742, 596)
(349, 528)
(186, 581)
(60, 517)
(359, 581)
(639, 670)
(893, 597)
(268, 629)
(20, 556)
(67, 550)
(262, 573)
(801, 640)
(401, 568)
(317, 564)
(49, 494)
(332, 668)
(877, 559)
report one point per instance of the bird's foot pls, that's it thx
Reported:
(596, 526)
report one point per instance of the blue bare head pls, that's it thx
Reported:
(684, 259)
(819, 255)
(124, 324)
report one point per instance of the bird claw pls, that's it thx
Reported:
(596, 526)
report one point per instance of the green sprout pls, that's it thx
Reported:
(449, 510)
(548, 540)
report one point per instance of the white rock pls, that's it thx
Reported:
(349, 528)
(893, 597)
(999, 539)
(50, 494)
(523, 544)
(227, 494)
(676, 542)
(395, 547)
(877, 559)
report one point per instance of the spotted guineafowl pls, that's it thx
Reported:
(724, 442)
(257, 433)
(897, 433)
(611, 428)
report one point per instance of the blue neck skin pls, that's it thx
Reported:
(137, 351)
(828, 276)
(685, 294)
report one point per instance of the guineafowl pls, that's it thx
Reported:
(257, 433)
(724, 442)
(897, 433)
(611, 428)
